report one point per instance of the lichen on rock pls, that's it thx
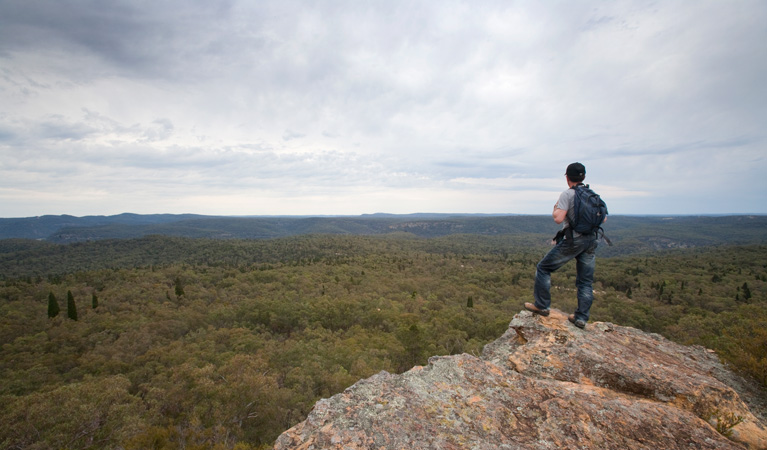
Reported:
(544, 384)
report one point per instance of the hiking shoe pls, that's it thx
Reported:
(577, 322)
(534, 309)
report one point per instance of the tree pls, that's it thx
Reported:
(53, 305)
(470, 302)
(179, 287)
(746, 291)
(414, 343)
(95, 301)
(71, 307)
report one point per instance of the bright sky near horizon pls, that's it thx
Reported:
(349, 107)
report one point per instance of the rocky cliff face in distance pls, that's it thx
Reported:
(545, 384)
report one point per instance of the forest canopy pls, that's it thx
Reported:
(199, 343)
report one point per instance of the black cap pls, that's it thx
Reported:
(576, 170)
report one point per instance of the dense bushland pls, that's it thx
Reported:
(183, 343)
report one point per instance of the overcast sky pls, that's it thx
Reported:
(257, 107)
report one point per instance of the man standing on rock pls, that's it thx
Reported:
(570, 245)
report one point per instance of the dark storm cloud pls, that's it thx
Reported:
(140, 38)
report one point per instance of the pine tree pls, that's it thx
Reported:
(71, 307)
(95, 301)
(746, 291)
(470, 302)
(53, 306)
(179, 287)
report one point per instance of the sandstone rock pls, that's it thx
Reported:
(544, 384)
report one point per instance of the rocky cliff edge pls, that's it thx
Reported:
(545, 384)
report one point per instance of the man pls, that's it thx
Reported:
(580, 247)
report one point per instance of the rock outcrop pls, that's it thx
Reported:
(546, 385)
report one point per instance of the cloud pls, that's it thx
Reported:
(320, 105)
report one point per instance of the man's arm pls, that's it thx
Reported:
(559, 214)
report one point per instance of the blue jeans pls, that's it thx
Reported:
(581, 248)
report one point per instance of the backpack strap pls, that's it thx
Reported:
(604, 236)
(568, 232)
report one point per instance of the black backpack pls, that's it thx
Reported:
(589, 211)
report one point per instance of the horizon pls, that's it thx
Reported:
(371, 215)
(291, 108)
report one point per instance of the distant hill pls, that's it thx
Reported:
(48, 227)
(631, 234)
(65, 228)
